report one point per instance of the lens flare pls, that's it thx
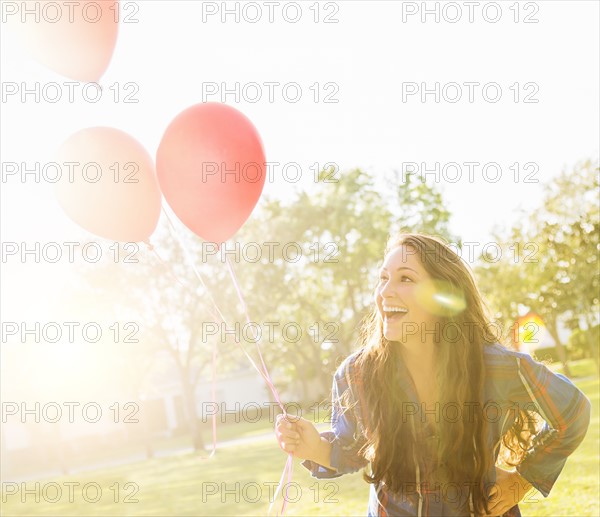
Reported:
(528, 329)
(441, 298)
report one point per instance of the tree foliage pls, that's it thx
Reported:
(550, 262)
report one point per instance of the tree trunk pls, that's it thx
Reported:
(190, 399)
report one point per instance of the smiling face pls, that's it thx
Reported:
(398, 295)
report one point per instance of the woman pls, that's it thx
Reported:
(431, 398)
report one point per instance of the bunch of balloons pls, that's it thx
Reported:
(210, 164)
(210, 167)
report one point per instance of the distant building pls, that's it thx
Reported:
(242, 390)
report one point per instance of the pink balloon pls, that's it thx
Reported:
(211, 169)
(74, 38)
(110, 188)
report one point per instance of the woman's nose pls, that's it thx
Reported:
(388, 289)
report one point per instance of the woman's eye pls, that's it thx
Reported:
(405, 278)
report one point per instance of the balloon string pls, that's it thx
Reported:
(244, 308)
(214, 397)
(289, 465)
(290, 461)
(192, 263)
(169, 268)
(166, 265)
(207, 290)
(265, 374)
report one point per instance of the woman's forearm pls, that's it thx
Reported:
(322, 454)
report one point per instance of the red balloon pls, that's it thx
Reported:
(211, 169)
(110, 188)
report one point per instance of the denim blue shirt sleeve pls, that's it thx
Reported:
(346, 434)
(563, 407)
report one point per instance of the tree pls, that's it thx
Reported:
(550, 264)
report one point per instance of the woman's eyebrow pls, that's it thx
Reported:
(400, 268)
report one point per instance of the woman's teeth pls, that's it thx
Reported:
(395, 312)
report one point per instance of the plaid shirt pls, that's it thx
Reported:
(513, 381)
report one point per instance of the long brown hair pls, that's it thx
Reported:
(463, 454)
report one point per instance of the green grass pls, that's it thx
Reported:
(581, 368)
(181, 485)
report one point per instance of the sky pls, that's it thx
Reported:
(373, 58)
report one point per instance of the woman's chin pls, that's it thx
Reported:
(392, 334)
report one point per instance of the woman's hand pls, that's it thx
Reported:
(509, 489)
(298, 436)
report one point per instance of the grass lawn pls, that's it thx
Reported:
(580, 368)
(239, 481)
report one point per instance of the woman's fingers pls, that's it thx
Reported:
(289, 440)
(287, 437)
(288, 447)
(282, 423)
